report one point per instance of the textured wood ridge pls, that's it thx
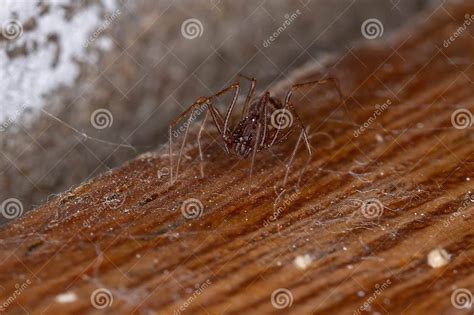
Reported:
(125, 231)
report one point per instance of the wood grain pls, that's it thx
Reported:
(125, 230)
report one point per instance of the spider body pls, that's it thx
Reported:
(243, 137)
(260, 126)
(242, 140)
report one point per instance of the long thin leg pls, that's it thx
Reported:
(260, 138)
(332, 80)
(264, 107)
(182, 147)
(274, 140)
(308, 147)
(202, 101)
(253, 83)
(292, 157)
(303, 131)
(218, 121)
(217, 116)
(199, 145)
(310, 155)
(303, 135)
(306, 84)
(235, 86)
(255, 149)
(198, 103)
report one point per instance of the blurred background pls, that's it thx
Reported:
(88, 84)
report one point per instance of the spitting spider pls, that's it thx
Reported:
(265, 122)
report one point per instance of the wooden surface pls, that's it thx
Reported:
(125, 231)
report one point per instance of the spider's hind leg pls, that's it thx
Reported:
(201, 156)
(303, 135)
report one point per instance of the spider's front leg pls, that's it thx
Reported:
(218, 122)
(251, 92)
(198, 104)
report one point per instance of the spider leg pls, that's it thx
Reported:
(303, 133)
(264, 117)
(199, 145)
(308, 84)
(235, 86)
(217, 116)
(292, 157)
(260, 137)
(218, 122)
(308, 147)
(254, 151)
(311, 83)
(253, 83)
(200, 102)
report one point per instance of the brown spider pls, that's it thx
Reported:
(262, 124)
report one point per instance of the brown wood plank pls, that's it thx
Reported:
(125, 232)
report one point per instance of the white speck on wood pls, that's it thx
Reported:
(68, 297)
(438, 257)
(303, 261)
